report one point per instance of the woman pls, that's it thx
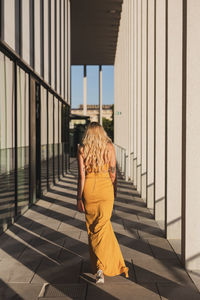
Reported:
(95, 197)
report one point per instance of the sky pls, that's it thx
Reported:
(92, 85)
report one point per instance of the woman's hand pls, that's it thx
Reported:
(80, 206)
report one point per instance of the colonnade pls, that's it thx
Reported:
(157, 88)
(85, 92)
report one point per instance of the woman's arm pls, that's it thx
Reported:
(81, 182)
(112, 168)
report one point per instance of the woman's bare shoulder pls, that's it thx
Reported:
(80, 150)
(110, 146)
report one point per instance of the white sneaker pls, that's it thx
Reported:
(99, 276)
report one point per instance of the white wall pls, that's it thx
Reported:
(160, 111)
(150, 105)
(46, 42)
(191, 201)
(37, 33)
(26, 31)
(9, 23)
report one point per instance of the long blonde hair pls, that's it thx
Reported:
(94, 147)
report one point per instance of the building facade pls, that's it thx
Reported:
(92, 111)
(34, 100)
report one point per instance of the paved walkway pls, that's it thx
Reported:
(45, 254)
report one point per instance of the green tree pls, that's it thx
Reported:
(108, 125)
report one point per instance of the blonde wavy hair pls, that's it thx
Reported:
(94, 147)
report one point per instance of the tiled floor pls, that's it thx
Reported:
(45, 254)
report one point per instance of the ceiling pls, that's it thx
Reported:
(94, 31)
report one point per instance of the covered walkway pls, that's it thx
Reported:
(44, 255)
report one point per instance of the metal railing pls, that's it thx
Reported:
(124, 162)
(131, 166)
(121, 158)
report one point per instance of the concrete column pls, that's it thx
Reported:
(85, 90)
(62, 49)
(37, 38)
(53, 71)
(128, 68)
(191, 136)
(144, 100)
(100, 94)
(58, 46)
(174, 119)
(131, 25)
(160, 112)
(66, 51)
(135, 89)
(139, 102)
(25, 31)
(122, 120)
(46, 42)
(150, 104)
(69, 51)
(9, 23)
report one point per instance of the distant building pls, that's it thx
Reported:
(93, 111)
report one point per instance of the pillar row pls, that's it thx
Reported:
(85, 90)
(100, 94)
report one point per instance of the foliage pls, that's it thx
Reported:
(108, 125)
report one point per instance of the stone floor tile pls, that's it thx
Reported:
(176, 245)
(46, 247)
(177, 291)
(54, 237)
(71, 237)
(23, 235)
(123, 233)
(117, 225)
(125, 292)
(19, 291)
(63, 210)
(44, 203)
(10, 247)
(68, 255)
(70, 200)
(135, 249)
(125, 215)
(60, 273)
(14, 271)
(32, 257)
(51, 223)
(57, 298)
(149, 230)
(36, 215)
(63, 291)
(84, 237)
(77, 246)
(155, 270)
(147, 217)
(24, 221)
(80, 216)
(72, 225)
(195, 276)
(37, 227)
(161, 248)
